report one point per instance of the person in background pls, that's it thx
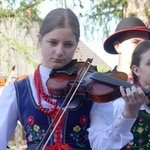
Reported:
(140, 66)
(85, 124)
(129, 33)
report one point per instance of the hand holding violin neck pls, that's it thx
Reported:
(112, 80)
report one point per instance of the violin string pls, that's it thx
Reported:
(56, 116)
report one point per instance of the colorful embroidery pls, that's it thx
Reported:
(34, 133)
(76, 129)
(83, 120)
(80, 134)
(141, 133)
(30, 120)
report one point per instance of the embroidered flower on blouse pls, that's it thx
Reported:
(30, 138)
(140, 130)
(83, 120)
(30, 120)
(36, 128)
(76, 129)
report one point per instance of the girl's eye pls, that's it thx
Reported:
(52, 43)
(67, 45)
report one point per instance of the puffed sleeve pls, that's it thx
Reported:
(107, 132)
(8, 114)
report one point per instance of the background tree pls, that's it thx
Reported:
(17, 19)
(104, 13)
(101, 16)
(138, 8)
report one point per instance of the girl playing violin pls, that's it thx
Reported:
(86, 124)
(140, 66)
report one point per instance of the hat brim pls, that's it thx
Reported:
(109, 42)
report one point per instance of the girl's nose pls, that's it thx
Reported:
(59, 50)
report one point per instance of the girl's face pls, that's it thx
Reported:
(143, 71)
(58, 47)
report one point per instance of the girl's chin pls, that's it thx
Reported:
(57, 66)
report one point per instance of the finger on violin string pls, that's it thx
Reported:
(140, 93)
(122, 90)
(126, 93)
(133, 92)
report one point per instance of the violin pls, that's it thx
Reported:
(100, 87)
(60, 82)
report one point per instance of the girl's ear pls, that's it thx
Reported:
(135, 70)
(117, 46)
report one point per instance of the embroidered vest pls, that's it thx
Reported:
(35, 123)
(141, 133)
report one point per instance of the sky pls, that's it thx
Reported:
(95, 46)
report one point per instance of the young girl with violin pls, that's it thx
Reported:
(140, 66)
(84, 124)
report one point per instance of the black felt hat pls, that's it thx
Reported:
(127, 24)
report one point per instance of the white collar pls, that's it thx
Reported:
(44, 72)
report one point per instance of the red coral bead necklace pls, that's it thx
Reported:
(42, 94)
